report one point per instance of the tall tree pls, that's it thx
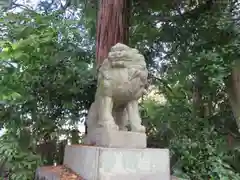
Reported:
(112, 26)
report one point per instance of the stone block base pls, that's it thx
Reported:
(99, 163)
(116, 139)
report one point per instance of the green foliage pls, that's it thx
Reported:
(197, 49)
(198, 149)
(22, 163)
(46, 81)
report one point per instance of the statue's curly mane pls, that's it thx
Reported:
(122, 56)
(124, 71)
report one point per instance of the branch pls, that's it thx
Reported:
(192, 14)
(162, 81)
(168, 54)
(67, 4)
(15, 5)
(2, 166)
(227, 132)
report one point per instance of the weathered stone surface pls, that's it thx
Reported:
(110, 138)
(122, 79)
(98, 163)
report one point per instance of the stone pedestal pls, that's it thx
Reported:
(99, 163)
(116, 139)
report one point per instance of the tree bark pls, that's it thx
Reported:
(112, 26)
(233, 86)
(198, 98)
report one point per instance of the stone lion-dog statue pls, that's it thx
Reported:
(122, 80)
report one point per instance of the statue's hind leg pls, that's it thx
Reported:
(121, 119)
(134, 117)
(105, 107)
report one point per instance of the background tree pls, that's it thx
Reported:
(46, 77)
(112, 26)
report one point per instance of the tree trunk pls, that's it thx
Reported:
(198, 98)
(112, 26)
(234, 93)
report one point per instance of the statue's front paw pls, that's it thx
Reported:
(109, 126)
(123, 128)
(139, 128)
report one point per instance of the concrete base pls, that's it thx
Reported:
(116, 139)
(98, 163)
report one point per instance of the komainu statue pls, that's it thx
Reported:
(122, 80)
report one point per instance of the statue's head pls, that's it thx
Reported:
(123, 53)
(124, 65)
